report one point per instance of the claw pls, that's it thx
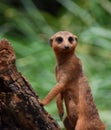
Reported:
(61, 116)
(40, 101)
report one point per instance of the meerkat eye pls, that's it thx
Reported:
(70, 39)
(59, 39)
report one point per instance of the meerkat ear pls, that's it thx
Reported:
(76, 38)
(50, 41)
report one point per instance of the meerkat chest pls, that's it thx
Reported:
(61, 71)
(66, 73)
(70, 94)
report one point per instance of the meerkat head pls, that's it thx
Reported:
(63, 41)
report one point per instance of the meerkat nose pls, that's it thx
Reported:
(66, 47)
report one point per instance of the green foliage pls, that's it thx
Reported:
(28, 29)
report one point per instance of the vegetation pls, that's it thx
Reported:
(28, 28)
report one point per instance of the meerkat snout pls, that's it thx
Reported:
(66, 47)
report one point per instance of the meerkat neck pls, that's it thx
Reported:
(64, 57)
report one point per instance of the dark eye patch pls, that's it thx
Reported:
(70, 39)
(59, 39)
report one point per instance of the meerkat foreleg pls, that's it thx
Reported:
(56, 90)
(59, 102)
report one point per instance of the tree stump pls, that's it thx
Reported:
(19, 105)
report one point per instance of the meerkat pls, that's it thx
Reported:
(72, 86)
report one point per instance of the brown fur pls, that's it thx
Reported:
(72, 86)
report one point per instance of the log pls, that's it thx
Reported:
(19, 105)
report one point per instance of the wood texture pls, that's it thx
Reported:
(19, 105)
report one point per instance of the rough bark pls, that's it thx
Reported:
(19, 105)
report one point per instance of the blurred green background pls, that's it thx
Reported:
(28, 26)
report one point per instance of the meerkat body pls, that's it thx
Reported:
(72, 86)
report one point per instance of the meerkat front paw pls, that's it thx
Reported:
(41, 102)
(61, 115)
